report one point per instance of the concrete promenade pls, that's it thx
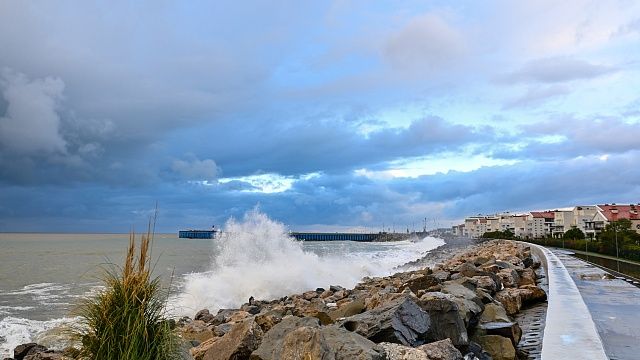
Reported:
(570, 332)
(614, 306)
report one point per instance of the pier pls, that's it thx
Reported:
(360, 237)
(197, 234)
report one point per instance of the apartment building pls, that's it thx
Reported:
(607, 213)
(590, 219)
(540, 224)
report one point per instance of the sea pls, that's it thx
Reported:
(44, 277)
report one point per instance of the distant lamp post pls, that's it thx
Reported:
(614, 212)
(586, 246)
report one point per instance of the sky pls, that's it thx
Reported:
(326, 115)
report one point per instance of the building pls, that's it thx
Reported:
(583, 215)
(590, 219)
(458, 230)
(476, 226)
(563, 222)
(540, 224)
(606, 214)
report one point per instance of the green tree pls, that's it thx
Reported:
(621, 231)
(574, 233)
(620, 226)
(508, 234)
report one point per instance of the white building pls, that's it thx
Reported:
(563, 221)
(540, 224)
(583, 215)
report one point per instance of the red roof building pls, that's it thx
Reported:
(616, 212)
(543, 214)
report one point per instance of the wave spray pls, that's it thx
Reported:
(257, 257)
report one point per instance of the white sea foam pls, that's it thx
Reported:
(43, 292)
(8, 310)
(256, 257)
(16, 331)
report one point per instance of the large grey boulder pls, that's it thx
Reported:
(22, 351)
(467, 269)
(458, 289)
(271, 346)
(328, 342)
(469, 303)
(439, 350)
(402, 352)
(510, 330)
(400, 321)
(531, 294)
(500, 348)
(204, 315)
(348, 309)
(494, 312)
(509, 277)
(243, 338)
(510, 299)
(446, 320)
(422, 282)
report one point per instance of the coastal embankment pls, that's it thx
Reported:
(460, 301)
(461, 308)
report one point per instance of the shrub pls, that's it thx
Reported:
(506, 234)
(574, 233)
(126, 321)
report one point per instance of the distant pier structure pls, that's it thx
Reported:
(360, 237)
(197, 234)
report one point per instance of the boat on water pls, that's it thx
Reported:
(198, 234)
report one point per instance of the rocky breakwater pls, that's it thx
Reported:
(459, 309)
(33, 351)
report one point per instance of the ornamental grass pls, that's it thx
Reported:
(126, 321)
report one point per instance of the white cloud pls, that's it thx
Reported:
(443, 163)
(426, 44)
(31, 124)
(195, 169)
(263, 183)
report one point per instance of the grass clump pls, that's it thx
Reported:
(126, 321)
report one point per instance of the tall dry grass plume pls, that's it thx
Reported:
(126, 321)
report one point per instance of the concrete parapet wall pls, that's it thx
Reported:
(570, 332)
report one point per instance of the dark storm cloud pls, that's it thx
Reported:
(600, 135)
(306, 146)
(333, 199)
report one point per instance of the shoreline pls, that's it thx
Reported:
(464, 304)
(450, 288)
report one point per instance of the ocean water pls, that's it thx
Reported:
(44, 276)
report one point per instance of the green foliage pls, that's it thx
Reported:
(574, 233)
(507, 234)
(622, 225)
(126, 320)
(621, 232)
(628, 241)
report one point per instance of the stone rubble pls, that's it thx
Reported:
(459, 309)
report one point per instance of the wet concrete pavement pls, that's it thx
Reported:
(614, 306)
(570, 332)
